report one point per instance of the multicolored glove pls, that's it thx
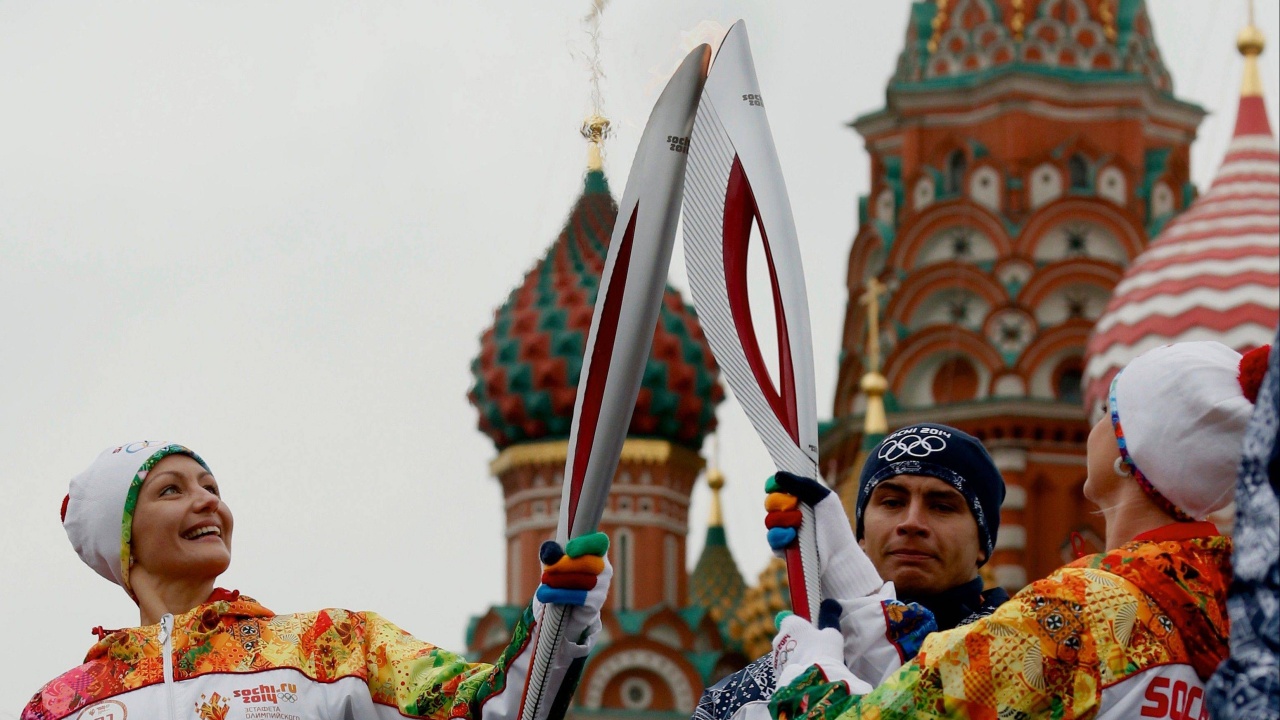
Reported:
(799, 646)
(577, 574)
(845, 569)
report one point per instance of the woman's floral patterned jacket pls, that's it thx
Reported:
(1131, 633)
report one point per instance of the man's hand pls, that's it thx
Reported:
(845, 570)
(799, 645)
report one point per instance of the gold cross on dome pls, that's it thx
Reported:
(871, 298)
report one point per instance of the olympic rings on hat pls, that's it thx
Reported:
(917, 446)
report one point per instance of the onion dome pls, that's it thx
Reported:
(1213, 273)
(716, 583)
(526, 375)
(968, 41)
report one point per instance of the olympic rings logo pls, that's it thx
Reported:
(132, 448)
(917, 446)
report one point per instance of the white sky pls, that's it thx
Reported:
(275, 231)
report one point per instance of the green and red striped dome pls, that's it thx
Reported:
(526, 375)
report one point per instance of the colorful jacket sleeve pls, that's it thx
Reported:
(421, 680)
(1048, 652)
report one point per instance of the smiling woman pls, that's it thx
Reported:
(181, 537)
(149, 516)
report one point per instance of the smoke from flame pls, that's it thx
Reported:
(706, 31)
(592, 22)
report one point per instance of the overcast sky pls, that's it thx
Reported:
(274, 231)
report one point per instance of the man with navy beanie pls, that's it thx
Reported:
(927, 515)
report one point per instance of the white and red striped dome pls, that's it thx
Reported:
(1211, 274)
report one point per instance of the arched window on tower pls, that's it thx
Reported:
(1078, 171)
(624, 576)
(670, 568)
(955, 381)
(1067, 377)
(957, 164)
(515, 593)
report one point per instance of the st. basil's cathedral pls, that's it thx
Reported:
(1031, 226)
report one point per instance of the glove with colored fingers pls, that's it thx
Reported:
(570, 574)
(577, 576)
(799, 646)
(845, 570)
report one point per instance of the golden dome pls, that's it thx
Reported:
(874, 382)
(1250, 41)
(595, 129)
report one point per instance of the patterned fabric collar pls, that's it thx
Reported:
(1188, 580)
(198, 621)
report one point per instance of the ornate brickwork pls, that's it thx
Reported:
(966, 41)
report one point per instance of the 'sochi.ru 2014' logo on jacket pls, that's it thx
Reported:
(268, 702)
(286, 693)
(913, 443)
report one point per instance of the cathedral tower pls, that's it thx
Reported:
(1026, 153)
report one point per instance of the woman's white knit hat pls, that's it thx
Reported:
(1179, 414)
(98, 510)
